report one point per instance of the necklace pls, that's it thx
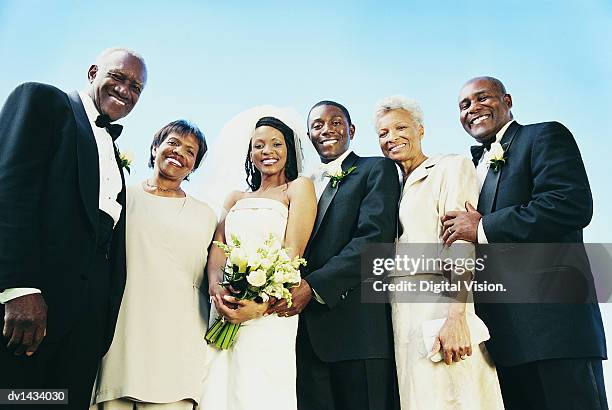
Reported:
(162, 189)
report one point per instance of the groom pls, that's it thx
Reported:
(62, 226)
(344, 347)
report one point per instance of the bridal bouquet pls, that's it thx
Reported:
(257, 272)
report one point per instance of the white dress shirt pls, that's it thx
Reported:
(482, 169)
(321, 178)
(110, 182)
(110, 178)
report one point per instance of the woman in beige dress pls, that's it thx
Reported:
(158, 356)
(441, 363)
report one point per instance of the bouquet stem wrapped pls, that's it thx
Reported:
(222, 334)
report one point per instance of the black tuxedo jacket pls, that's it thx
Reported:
(360, 210)
(49, 193)
(540, 195)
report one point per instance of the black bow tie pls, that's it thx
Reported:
(478, 150)
(104, 121)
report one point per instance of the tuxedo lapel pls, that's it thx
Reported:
(329, 193)
(488, 193)
(87, 158)
(121, 197)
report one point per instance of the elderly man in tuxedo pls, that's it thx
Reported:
(344, 347)
(548, 356)
(62, 226)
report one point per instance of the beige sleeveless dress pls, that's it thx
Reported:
(158, 354)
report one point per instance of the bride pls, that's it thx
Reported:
(259, 370)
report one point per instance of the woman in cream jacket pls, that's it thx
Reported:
(441, 362)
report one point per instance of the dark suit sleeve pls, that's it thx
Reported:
(26, 126)
(376, 224)
(561, 200)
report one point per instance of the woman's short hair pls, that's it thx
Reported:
(253, 178)
(399, 102)
(182, 128)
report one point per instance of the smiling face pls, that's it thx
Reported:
(483, 109)
(115, 83)
(329, 131)
(175, 157)
(268, 150)
(399, 136)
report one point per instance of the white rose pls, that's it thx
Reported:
(279, 276)
(254, 260)
(257, 278)
(239, 258)
(128, 156)
(497, 151)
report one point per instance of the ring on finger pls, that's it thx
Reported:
(463, 356)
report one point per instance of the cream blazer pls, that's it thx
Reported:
(440, 184)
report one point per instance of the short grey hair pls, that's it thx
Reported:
(105, 53)
(497, 83)
(399, 102)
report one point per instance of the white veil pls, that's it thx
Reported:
(224, 171)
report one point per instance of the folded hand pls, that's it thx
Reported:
(238, 310)
(454, 340)
(215, 289)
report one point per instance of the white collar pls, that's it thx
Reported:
(500, 133)
(336, 165)
(90, 108)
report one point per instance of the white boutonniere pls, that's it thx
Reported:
(125, 160)
(339, 176)
(498, 156)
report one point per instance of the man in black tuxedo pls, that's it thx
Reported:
(344, 347)
(548, 356)
(62, 219)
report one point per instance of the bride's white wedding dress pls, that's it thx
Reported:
(259, 371)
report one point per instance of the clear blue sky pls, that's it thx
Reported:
(210, 60)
